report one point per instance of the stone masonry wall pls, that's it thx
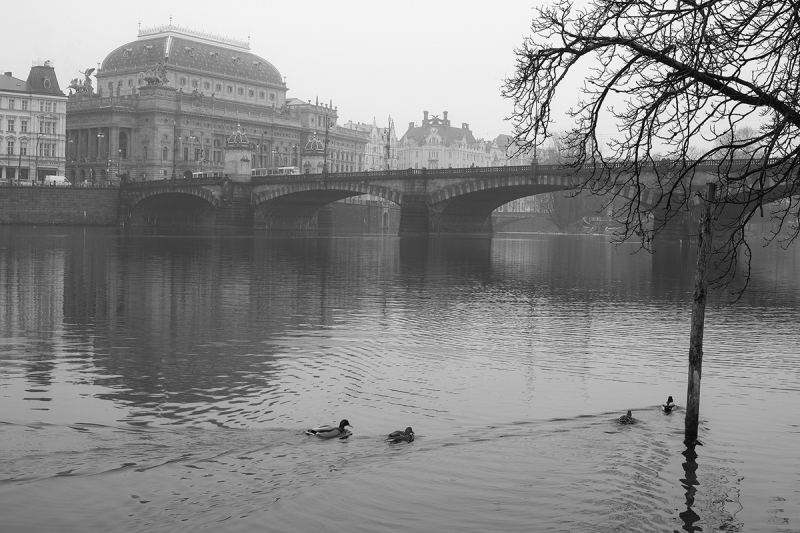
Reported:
(58, 205)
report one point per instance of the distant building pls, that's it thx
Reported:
(345, 150)
(32, 126)
(438, 144)
(504, 152)
(380, 152)
(166, 104)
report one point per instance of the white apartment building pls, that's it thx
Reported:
(32, 127)
(437, 144)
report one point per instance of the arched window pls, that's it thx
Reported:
(144, 151)
(164, 154)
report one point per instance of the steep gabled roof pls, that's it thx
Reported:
(43, 80)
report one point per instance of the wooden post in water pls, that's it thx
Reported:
(698, 316)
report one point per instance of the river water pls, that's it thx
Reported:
(161, 383)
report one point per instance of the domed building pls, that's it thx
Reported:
(166, 104)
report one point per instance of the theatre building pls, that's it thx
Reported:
(165, 105)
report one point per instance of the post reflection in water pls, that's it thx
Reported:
(689, 481)
(163, 383)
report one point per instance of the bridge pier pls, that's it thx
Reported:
(235, 210)
(682, 227)
(414, 216)
(325, 220)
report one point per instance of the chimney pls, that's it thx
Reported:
(7, 73)
(464, 126)
(425, 119)
(446, 123)
(411, 125)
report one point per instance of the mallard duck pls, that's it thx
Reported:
(668, 406)
(330, 432)
(627, 419)
(401, 436)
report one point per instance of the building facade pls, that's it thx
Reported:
(166, 104)
(438, 144)
(380, 152)
(32, 126)
(344, 149)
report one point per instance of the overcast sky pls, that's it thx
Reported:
(372, 58)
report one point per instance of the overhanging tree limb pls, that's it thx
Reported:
(678, 78)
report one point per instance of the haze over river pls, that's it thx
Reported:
(163, 384)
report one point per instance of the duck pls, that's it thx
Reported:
(668, 406)
(401, 436)
(331, 432)
(627, 418)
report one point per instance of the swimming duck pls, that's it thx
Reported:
(401, 436)
(627, 419)
(330, 432)
(668, 406)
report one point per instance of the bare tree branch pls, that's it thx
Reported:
(698, 91)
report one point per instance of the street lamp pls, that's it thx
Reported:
(261, 151)
(174, 147)
(274, 153)
(74, 152)
(193, 138)
(36, 175)
(119, 164)
(325, 154)
(100, 136)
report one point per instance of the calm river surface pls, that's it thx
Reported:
(163, 383)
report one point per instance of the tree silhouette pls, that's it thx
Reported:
(691, 86)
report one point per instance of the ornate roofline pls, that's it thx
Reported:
(187, 32)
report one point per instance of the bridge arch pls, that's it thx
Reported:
(172, 207)
(467, 207)
(294, 206)
(338, 190)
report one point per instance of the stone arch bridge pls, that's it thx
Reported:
(457, 201)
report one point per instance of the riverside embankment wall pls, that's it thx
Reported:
(58, 205)
(97, 206)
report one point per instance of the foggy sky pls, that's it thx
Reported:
(371, 58)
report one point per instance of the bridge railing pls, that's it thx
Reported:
(180, 182)
(439, 172)
(537, 169)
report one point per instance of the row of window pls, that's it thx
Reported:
(320, 121)
(182, 81)
(46, 149)
(198, 154)
(435, 154)
(45, 126)
(45, 106)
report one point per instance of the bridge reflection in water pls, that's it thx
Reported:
(455, 201)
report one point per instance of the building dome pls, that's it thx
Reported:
(238, 139)
(315, 145)
(190, 50)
